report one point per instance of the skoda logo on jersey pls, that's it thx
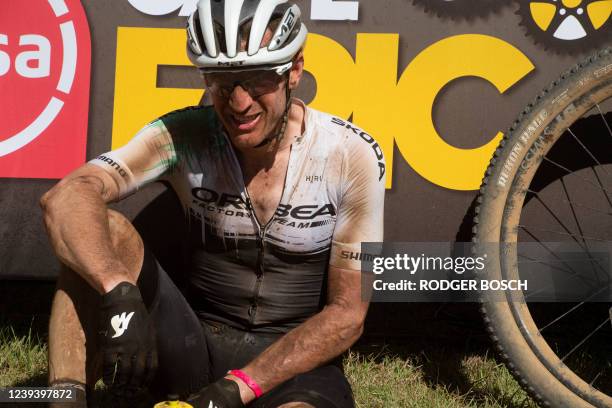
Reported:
(368, 139)
(44, 87)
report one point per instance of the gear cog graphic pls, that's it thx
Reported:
(567, 26)
(461, 9)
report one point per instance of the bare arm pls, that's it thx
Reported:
(318, 340)
(76, 213)
(76, 216)
(333, 330)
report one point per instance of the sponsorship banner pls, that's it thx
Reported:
(435, 83)
(447, 272)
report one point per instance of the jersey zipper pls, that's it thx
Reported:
(261, 236)
(260, 266)
(260, 275)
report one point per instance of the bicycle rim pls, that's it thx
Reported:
(508, 195)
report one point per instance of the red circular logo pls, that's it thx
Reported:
(44, 68)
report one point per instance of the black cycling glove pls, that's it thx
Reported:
(127, 339)
(220, 394)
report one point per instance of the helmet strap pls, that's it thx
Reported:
(283, 125)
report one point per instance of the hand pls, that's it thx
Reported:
(127, 339)
(220, 394)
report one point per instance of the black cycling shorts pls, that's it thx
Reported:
(194, 353)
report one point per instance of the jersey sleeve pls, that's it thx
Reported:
(361, 209)
(142, 160)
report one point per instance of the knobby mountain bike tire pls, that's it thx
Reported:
(513, 182)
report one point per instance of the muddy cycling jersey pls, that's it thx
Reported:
(265, 278)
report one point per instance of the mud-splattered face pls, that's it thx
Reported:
(249, 104)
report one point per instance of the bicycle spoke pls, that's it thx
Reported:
(572, 309)
(586, 338)
(572, 210)
(548, 249)
(551, 212)
(531, 260)
(601, 185)
(585, 148)
(568, 171)
(552, 266)
(586, 246)
(603, 117)
(596, 377)
(569, 234)
(604, 212)
(582, 279)
(597, 210)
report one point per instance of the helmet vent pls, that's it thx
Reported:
(241, 34)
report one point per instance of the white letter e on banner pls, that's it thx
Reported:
(161, 7)
(334, 10)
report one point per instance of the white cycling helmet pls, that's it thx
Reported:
(215, 28)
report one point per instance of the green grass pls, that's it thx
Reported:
(442, 363)
(434, 377)
(23, 358)
(381, 375)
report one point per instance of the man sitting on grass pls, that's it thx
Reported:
(278, 197)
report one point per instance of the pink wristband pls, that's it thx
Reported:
(248, 381)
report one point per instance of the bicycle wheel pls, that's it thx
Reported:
(534, 190)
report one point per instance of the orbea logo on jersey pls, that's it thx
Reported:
(45, 55)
